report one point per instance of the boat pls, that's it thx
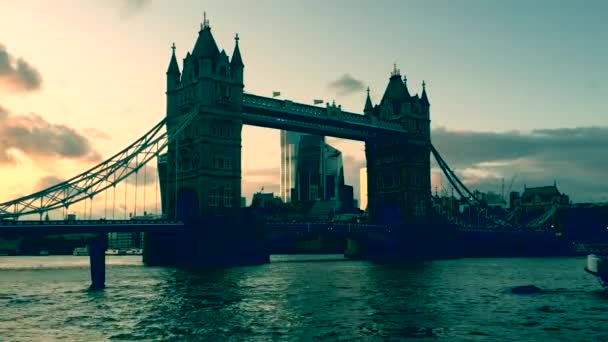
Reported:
(112, 251)
(598, 267)
(134, 251)
(81, 251)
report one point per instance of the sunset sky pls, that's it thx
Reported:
(517, 89)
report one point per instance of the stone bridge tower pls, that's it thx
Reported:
(398, 170)
(201, 173)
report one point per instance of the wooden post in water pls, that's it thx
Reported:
(97, 257)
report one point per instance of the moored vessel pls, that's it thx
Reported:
(598, 267)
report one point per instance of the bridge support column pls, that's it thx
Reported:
(97, 257)
(353, 249)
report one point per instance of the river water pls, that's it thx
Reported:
(302, 298)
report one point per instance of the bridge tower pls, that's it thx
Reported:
(201, 173)
(398, 169)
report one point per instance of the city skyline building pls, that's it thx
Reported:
(310, 169)
(363, 188)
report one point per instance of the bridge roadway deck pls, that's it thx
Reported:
(13, 227)
(10, 227)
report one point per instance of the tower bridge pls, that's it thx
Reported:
(199, 167)
(201, 173)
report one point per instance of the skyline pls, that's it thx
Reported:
(78, 124)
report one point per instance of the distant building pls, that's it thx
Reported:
(363, 188)
(265, 200)
(538, 197)
(311, 169)
(290, 142)
(491, 199)
(122, 240)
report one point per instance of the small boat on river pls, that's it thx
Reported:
(598, 266)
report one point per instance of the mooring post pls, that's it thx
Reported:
(97, 257)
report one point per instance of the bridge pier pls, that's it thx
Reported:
(97, 259)
(219, 241)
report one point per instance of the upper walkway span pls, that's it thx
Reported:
(330, 121)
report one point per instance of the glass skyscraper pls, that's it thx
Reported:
(310, 168)
(290, 142)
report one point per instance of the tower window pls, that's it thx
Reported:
(227, 196)
(213, 195)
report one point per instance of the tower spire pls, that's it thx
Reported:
(407, 92)
(368, 104)
(173, 67)
(395, 71)
(237, 60)
(424, 100)
(205, 23)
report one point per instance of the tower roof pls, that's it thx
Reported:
(236, 55)
(205, 45)
(173, 66)
(424, 100)
(395, 90)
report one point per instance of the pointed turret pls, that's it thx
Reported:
(173, 66)
(407, 92)
(173, 74)
(205, 46)
(236, 61)
(369, 107)
(236, 64)
(424, 100)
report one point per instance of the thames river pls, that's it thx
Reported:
(302, 298)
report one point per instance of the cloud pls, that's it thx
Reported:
(346, 85)
(16, 74)
(147, 174)
(574, 157)
(130, 7)
(95, 133)
(271, 172)
(47, 182)
(40, 140)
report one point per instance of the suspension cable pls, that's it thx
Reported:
(105, 208)
(136, 173)
(126, 184)
(156, 184)
(144, 185)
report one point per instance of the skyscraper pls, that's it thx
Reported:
(290, 142)
(310, 168)
(363, 188)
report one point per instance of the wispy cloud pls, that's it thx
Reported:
(130, 7)
(47, 182)
(41, 140)
(574, 157)
(96, 133)
(346, 85)
(16, 74)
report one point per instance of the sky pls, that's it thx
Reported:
(517, 88)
